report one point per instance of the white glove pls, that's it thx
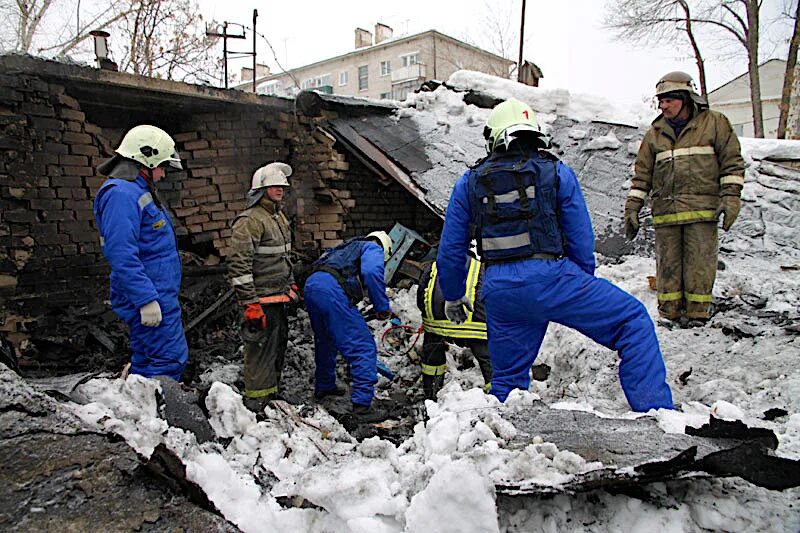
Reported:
(454, 311)
(151, 314)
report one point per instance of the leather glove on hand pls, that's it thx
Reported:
(631, 223)
(729, 207)
(294, 294)
(151, 314)
(455, 311)
(384, 315)
(254, 317)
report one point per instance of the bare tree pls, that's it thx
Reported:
(38, 25)
(656, 22)
(788, 78)
(165, 38)
(740, 19)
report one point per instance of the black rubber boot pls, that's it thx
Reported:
(431, 385)
(336, 391)
(365, 414)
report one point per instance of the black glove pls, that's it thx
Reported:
(631, 223)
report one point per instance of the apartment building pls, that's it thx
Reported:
(382, 66)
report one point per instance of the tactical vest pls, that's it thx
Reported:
(344, 263)
(514, 199)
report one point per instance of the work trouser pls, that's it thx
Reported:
(686, 267)
(339, 327)
(264, 352)
(434, 347)
(523, 297)
(160, 350)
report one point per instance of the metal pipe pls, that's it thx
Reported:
(521, 40)
(255, 71)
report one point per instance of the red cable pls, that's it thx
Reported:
(401, 326)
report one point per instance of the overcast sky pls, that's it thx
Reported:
(564, 38)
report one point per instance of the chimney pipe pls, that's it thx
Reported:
(101, 50)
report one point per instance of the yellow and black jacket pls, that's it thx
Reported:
(431, 303)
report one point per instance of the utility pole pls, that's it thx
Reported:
(255, 70)
(225, 36)
(521, 40)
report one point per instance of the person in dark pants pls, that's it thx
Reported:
(439, 330)
(260, 271)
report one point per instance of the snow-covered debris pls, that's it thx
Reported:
(609, 141)
(743, 364)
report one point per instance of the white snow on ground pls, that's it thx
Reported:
(442, 477)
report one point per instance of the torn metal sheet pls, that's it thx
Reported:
(366, 150)
(637, 452)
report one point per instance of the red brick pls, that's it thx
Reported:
(195, 145)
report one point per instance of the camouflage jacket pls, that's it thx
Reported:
(687, 175)
(258, 261)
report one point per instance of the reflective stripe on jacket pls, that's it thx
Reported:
(515, 195)
(139, 243)
(258, 262)
(431, 303)
(686, 176)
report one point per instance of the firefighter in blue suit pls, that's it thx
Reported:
(139, 243)
(331, 293)
(527, 214)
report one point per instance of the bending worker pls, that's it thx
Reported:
(439, 330)
(331, 293)
(140, 245)
(260, 271)
(534, 234)
(690, 163)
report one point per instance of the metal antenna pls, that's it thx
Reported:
(225, 36)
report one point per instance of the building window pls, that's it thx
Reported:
(319, 81)
(410, 59)
(269, 89)
(386, 68)
(363, 77)
(386, 96)
(343, 78)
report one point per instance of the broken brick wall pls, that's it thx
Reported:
(342, 198)
(50, 253)
(54, 132)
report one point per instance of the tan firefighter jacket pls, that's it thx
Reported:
(258, 261)
(687, 176)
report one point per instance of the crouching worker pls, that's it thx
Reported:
(471, 333)
(139, 243)
(331, 294)
(526, 211)
(260, 271)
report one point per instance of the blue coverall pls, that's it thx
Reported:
(523, 296)
(338, 326)
(139, 243)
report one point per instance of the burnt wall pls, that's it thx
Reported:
(52, 142)
(56, 130)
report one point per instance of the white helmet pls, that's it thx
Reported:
(150, 146)
(272, 175)
(386, 243)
